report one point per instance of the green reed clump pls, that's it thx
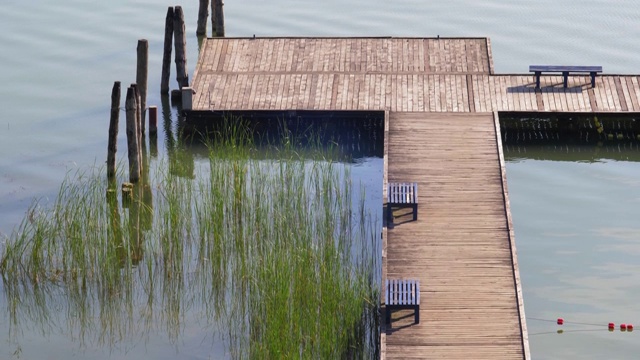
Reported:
(276, 250)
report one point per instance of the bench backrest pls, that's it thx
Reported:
(402, 292)
(402, 193)
(561, 68)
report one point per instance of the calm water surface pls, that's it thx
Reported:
(575, 221)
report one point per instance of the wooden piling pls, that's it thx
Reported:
(180, 43)
(217, 18)
(112, 146)
(203, 13)
(166, 57)
(153, 120)
(141, 139)
(141, 78)
(132, 136)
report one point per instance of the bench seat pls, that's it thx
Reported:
(402, 195)
(565, 70)
(402, 294)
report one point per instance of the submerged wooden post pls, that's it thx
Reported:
(180, 41)
(166, 57)
(217, 18)
(141, 77)
(112, 147)
(132, 136)
(203, 13)
(153, 120)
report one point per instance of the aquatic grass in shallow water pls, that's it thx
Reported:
(275, 252)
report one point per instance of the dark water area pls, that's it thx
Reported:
(348, 135)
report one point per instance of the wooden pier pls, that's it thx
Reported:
(441, 99)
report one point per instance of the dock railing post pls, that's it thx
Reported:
(203, 14)
(141, 78)
(132, 136)
(112, 146)
(166, 57)
(180, 45)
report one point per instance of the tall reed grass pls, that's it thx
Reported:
(281, 253)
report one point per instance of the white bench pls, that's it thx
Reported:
(402, 195)
(402, 294)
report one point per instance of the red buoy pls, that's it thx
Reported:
(612, 326)
(629, 327)
(623, 327)
(560, 321)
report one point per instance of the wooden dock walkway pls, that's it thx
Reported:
(460, 246)
(441, 98)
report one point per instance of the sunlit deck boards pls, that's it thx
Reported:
(395, 74)
(441, 94)
(459, 248)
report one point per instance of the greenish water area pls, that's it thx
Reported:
(574, 200)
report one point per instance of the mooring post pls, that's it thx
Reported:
(180, 41)
(132, 136)
(217, 18)
(203, 13)
(141, 77)
(166, 57)
(112, 147)
(187, 98)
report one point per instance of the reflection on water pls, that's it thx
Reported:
(574, 202)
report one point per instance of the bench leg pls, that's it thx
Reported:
(538, 73)
(389, 215)
(415, 212)
(593, 79)
(417, 316)
(565, 79)
(387, 315)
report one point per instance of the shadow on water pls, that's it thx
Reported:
(571, 137)
(265, 247)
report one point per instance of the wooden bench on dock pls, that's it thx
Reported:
(565, 70)
(402, 195)
(402, 294)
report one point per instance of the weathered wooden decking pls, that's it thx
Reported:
(460, 246)
(441, 98)
(395, 74)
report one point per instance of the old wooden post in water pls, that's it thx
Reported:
(132, 135)
(141, 77)
(217, 18)
(112, 147)
(180, 41)
(166, 57)
(141, 140)
(203, 13)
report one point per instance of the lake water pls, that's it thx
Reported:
(575, 221)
